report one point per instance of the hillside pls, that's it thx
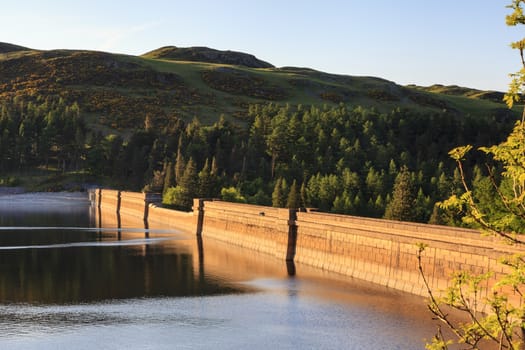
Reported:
(5, 48)
(205, 54)
(119, 91)
(455, 90)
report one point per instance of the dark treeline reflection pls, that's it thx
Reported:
(93, 273)
(26, 238)
(71, 218)
(51, 253)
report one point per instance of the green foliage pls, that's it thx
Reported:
(495, 204)
(260, 198)
(189, 184)
(174, 196)
(517, 84)
(280, 193)
(207, 182)
(181, 196)
(502, 325)
(123, 119)
(169, 179)
(402, 206)
(345, 158)
(458, 153)
(180, 165)
(293, 201)
(231, 194)
(9, 181)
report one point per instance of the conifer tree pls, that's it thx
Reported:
(422, 207)
(214, 168)
(293, 200)
(302, 196)
(180, 165)
(207, 182)
(284, 193)
(187, 186)
(276, 194)
(343, 204)
(401, 207)
(169, 179)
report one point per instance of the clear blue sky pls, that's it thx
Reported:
(462, 42)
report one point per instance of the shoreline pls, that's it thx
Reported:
(6, 191)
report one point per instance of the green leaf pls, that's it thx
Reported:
(459, 153)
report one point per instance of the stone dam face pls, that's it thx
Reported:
(379, 251)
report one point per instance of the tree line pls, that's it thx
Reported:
(341, 159)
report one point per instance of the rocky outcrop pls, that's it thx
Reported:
(206, 54)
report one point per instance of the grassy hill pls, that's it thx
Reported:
(205, 54)
(454, 90)
(119, 91)
(5, 47)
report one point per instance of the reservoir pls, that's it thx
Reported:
(67, 283)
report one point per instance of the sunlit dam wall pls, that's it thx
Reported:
(380, 251)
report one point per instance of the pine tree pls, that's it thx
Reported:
(422, 207)
(302, 194)
(169, 179)
(207, 182)
(188, 186)
(379, 205)
(402, 205)
(293, 200)
(214, 168)
(343, 204)
(180, 165)
(284, 193)
(276, 194)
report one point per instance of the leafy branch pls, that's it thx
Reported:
(502, 322)
(500, 325)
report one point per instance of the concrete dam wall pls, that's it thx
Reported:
(379, 251)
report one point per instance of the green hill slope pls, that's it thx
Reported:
(455, 90)
(5, 48)
(119, 91)
(205, 54)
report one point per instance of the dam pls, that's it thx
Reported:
(379, 251)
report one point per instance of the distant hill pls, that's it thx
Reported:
(205, 54)
(462, 91)
(5, 47)
(117, 92)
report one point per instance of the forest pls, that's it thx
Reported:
(342, 159)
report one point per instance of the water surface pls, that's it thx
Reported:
(66, 284)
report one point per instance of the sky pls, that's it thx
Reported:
(423, 42)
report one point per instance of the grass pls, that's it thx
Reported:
(298, 86)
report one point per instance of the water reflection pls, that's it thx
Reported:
(85, 281)
(56, 262)
(45, 209)
(72, 274)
